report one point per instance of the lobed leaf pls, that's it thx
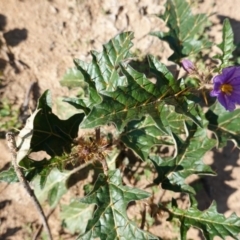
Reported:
(224, 124)
(142, 135)
(110, 219)
(185, 35)
(75, 216)
(102, 73)
(226, 46)
(210, 222)
(173, 172)
(139, 97)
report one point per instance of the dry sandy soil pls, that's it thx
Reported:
(40, 39)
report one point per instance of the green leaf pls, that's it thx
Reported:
(110, 219)
(78, 103)
(73, 78)
(210, 222)
(8, 176)
(139, 97)
(45, 131)
(173, 172)
(173, 93)
(54, 187)
(224, 124)
(174, 120)
(32, 169)
(226, 46)
(75, 216)
(185, 35)
(119, 94)
(163, 75)
(42, 168)
(142, 135)
(126, 103)
(63, 110)
(102, 73)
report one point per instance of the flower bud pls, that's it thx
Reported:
(188, 66)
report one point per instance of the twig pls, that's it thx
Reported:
(13, 149)
(39, 230)
(104, 165)
(98, 134)
(81, 167)
(143, 213)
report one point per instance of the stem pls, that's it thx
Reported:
(102, 160)
(13, 149)
(105, 166)
(80, 167)
(38, 232)
(143, 213)
(98, 134)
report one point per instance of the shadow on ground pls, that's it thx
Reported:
(216, 188)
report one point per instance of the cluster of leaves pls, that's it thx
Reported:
(145, 113)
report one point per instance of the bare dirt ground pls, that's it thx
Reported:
(40, 39)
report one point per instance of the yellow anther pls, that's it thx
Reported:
(226, 88)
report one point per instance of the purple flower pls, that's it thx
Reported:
(188, 66)
(226, 87)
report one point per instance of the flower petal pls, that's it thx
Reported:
(226, 102)
(219, 79)
(217, 87)
(234, 97)
(227, 95)
(214, 93)
(230, 73)
(235, 81)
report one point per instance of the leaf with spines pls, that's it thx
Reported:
(210, 222)
(130, 102)
(173, 171)
(102, 73)
(142, 135)
(118, 94)
(139, 98)
(224, 124)
(174, 120)
(226, 46)
(110, 220)
(185, 35)
(172, 94)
